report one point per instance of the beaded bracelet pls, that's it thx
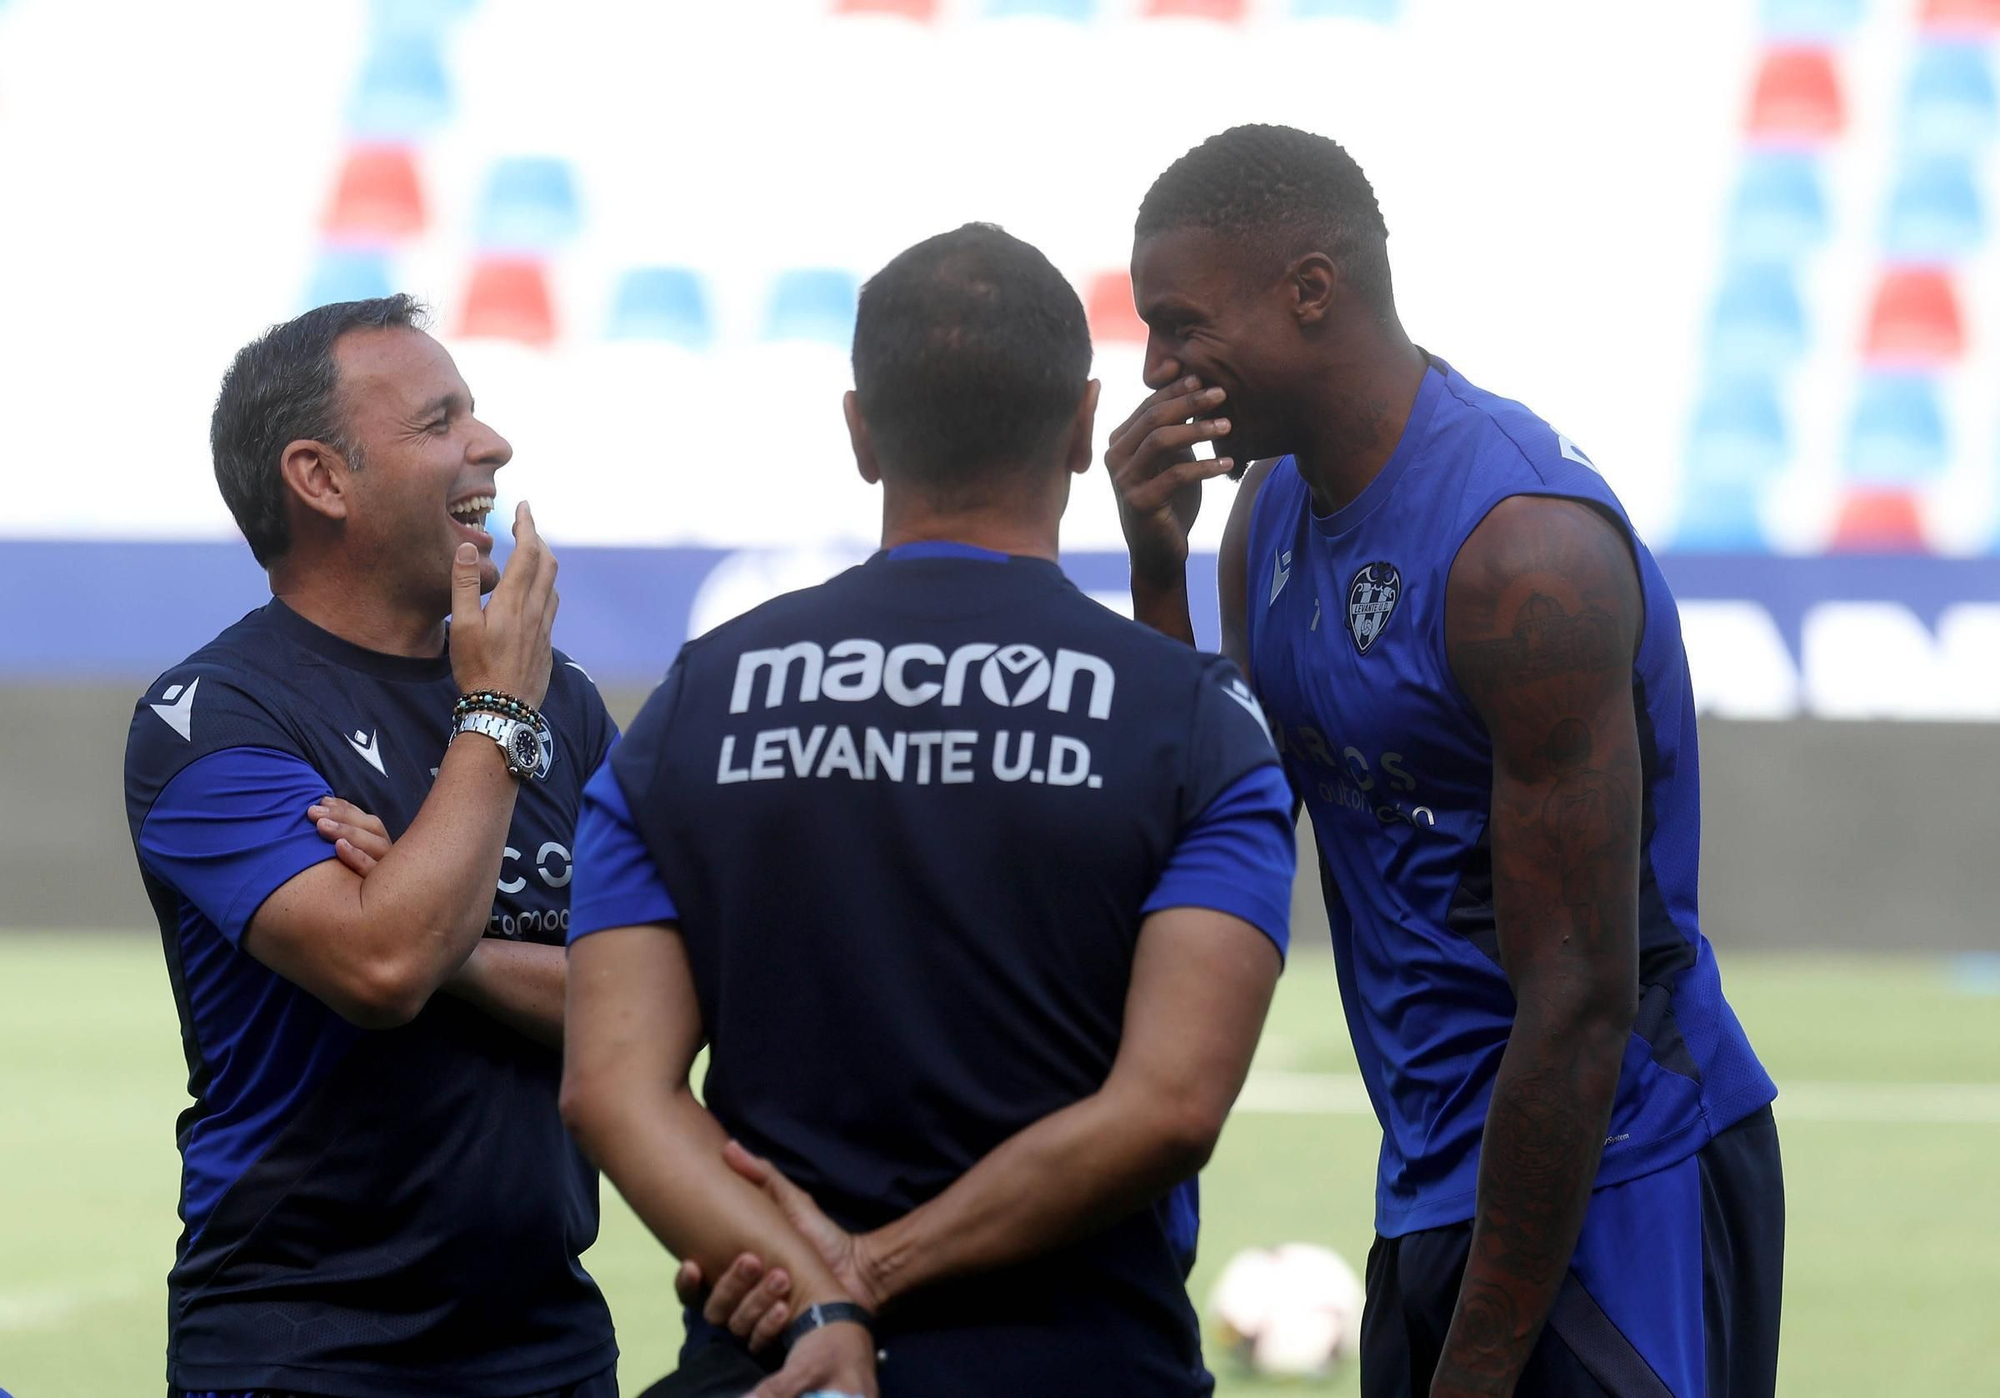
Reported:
(493, 701)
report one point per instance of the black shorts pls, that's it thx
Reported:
(1673, 1292)
(603, 1384)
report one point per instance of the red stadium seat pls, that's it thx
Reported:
(508, 299)
(1961, 16)
(923, 11)
(1915, 322)
(1879, 521)
(1113, 317)
(1228, 11)
(378, 196)
(1797, 97)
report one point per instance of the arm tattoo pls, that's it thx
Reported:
(1546, 1123)
(1538, 1161)
(1547, 641)
(1554, 691)
(1585, 820)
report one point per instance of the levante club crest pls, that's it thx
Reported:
(1371, 601)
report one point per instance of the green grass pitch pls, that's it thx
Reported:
(1890, 1123)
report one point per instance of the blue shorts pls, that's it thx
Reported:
(1673, 1292)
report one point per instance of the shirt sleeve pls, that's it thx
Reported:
(1228, 737)
(617, 883)
(230, 828)
(600, 730)
(1238, 858)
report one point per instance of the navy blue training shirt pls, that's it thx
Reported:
(909, 823)
(1347, 652)
(367, 1213)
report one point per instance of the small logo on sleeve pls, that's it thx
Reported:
(1240, 692)
(178, 710)
(1371, 601)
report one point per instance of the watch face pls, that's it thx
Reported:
(526, 749)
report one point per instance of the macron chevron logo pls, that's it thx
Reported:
(1240, 692)
(178, 710)
(1281, 573)
(370, 748)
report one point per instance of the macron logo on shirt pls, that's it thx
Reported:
(1281, 573)
(178, 710)
(1240, 692)
(370, 748)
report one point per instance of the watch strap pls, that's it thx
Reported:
(827, 1313)
(523, 757)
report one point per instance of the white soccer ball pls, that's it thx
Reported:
(1293, 1310)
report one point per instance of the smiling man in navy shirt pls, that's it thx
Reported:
(379, 1196)
(976, 890)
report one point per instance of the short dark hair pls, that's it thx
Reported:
(1285, 191)
(284, 387)
(971, 352)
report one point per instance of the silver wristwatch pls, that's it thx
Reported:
(520, 743)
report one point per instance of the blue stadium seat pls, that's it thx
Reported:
(1935, 212)
(1718, 517)
(348, 274)
(403, 92)
(1897, 436)
(1080, 11)
(1758, 324)
(530, 205)
(1738, 438)
(1950, 106)
(662, 303)
(1779, 208)
(813, 303)
(429, 17)
(1809, 20)
(1381, 11)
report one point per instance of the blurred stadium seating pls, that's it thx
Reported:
(1784, 358)
(1742, 251)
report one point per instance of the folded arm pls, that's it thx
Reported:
(521, 984)
(376, 949)
(244, 833)
(518, 983)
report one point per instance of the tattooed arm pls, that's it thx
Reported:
(1543, 615)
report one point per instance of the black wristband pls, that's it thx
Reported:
(827, 1313)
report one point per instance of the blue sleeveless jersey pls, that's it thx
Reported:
(1347, 652)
